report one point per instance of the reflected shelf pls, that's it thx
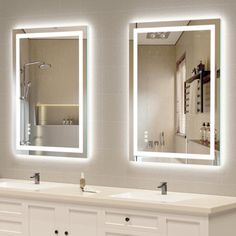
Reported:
(217, 144)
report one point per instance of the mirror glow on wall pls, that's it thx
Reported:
(174, 78)
(51, 91)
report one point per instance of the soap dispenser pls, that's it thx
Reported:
(82, 181)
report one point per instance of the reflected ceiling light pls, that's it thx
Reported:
(158, 35)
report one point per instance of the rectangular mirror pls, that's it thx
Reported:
(175, 92)
(50, 68)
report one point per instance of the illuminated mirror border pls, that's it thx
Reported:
(142, 155)
(65, 34)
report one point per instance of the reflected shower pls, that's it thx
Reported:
(26, 85)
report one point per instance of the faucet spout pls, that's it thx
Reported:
(36, 178)
(163, 188)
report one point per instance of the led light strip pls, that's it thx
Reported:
(79, 35)
(147, 154)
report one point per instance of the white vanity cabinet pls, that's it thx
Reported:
(41, 218)
(49, 219)
(65, 211)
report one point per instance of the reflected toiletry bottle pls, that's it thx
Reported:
(156, 145)
(82, 181)
(216, 136)
(208, 133)
(64, 121)
(71, 121)
(203, 133)
(146, 139)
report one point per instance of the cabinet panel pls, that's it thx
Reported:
(11, 218)
(113, 234)
(132, 220)
(41, 221)
(12, 227)
(82, 222)
(131, 234)
(10, 207)
(182, 228)
(9, 233)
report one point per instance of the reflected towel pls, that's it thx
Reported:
(24, 120)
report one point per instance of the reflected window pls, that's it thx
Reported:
(180, 79)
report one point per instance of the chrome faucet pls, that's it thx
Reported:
(36, 178)
(163, 188)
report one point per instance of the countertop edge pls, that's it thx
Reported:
(113, 203)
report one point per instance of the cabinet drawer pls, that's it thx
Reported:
(128, 233)
(10, 227)
(10, 208)
(132, 220)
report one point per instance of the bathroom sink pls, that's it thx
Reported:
(26, 185)
(47, 187)
(73, 190)
(155, 196)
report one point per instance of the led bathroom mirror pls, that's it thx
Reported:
(175, 92)
(50, 68)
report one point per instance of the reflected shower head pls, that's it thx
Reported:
(26, 86)
(44, 66)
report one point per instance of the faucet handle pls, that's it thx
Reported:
(36, 178)
(35, 175)
(162, 184)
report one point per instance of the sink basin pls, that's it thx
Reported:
(47, 187)
(73, 190)
(155, 196)
(26, 185)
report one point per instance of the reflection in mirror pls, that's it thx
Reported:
(175, 81)
(51, 91)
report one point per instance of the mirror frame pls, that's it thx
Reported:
(146, 154)
(78, 34)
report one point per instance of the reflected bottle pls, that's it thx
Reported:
(208, 133)
(64, 121)
(203, 133)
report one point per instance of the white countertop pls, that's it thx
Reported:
(194, 204)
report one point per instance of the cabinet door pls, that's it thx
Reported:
(42, 220)
(82, 222)
(130, 234)
(182, 228)
(113, 234)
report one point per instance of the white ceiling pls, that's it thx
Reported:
(58, 29)
(171, 40)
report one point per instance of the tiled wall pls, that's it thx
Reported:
(108, 80)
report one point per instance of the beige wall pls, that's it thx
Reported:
(108, 117)
(56, 85)
(60, 83)
(156, 78)
(196, 46)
